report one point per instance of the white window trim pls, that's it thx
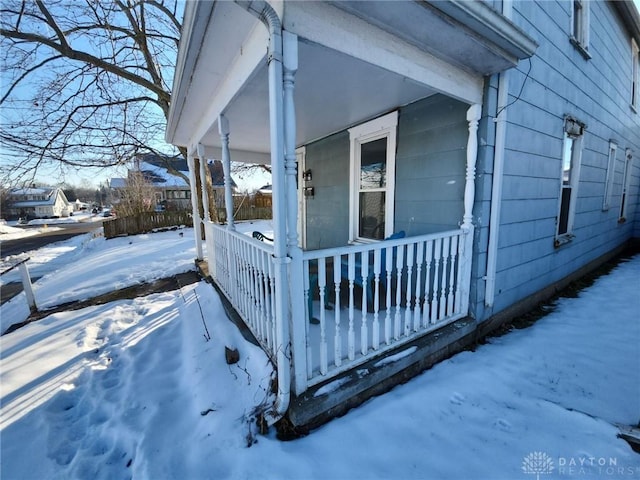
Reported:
(580, 39)
(608, 184)
(385, 126)
(576, 162)
(626, 185)
(635, 75)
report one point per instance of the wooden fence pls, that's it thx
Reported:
(246, 212)
(145, 222)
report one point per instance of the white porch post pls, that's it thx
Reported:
(297, 325)
(197, 226)
(473, 116)
(203, 182)
(223, 128)
(27, 287)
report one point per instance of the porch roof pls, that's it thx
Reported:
(357, 60)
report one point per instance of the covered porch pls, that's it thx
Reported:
(277, 82)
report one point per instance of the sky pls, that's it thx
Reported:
(137, 389)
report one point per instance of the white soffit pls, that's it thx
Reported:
(332, 92)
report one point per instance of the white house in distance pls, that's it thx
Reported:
(37, 202)
(438, 168)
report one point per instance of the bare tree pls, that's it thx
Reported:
(137, 196)
(86, 82)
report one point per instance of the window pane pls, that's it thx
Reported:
(373, 164)
(371, 221)
(566, 160)
(563, 221)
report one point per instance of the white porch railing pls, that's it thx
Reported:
(360, 300)
(243, 268)
(359, 309)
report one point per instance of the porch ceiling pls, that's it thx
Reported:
(332, 92)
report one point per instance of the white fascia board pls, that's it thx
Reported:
(249, 58)
(242, 156)
(328, 26)
(193, 31)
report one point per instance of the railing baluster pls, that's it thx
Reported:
(407, 309)
(351, 275)
(266, 306)
(443, 290)
(416, 307)
(364, 329)
(387, 318)
(308, 296)
(376, 298)
(454, 253)
(436, 280)
(427, 285)
(255, 288)
(338, 335)
(307, 317)
(397, 320)
(458, 299)
(272, 283)
(322, 283)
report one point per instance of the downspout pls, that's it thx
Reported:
(498, 174)
(267, 15)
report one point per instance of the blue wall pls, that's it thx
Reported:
(559, 81)
(430, 174)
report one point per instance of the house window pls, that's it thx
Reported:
(373, 156)
(580, 26)
(626, 182)
(608, 185)
(635, 80)
(571, 157)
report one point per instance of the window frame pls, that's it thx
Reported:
(635, 75)
(579, 26)
(608, 184)
(573, 132)
(626, 184)
(381, 127)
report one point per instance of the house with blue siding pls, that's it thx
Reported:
(438, 168)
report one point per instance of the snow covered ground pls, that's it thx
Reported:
(133, 389)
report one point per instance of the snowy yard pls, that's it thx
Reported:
(132, 389)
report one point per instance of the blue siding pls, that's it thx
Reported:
(430, 172)
(430, 166)
(559, 81)
(328, 209)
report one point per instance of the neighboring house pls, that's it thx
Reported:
(217, 182)
(168, 177)
(437, 169)
(37, 202)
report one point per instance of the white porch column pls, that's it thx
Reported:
(473, 117)
(223, 128)
(203, 181)
(197, 226)
(297, 310)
